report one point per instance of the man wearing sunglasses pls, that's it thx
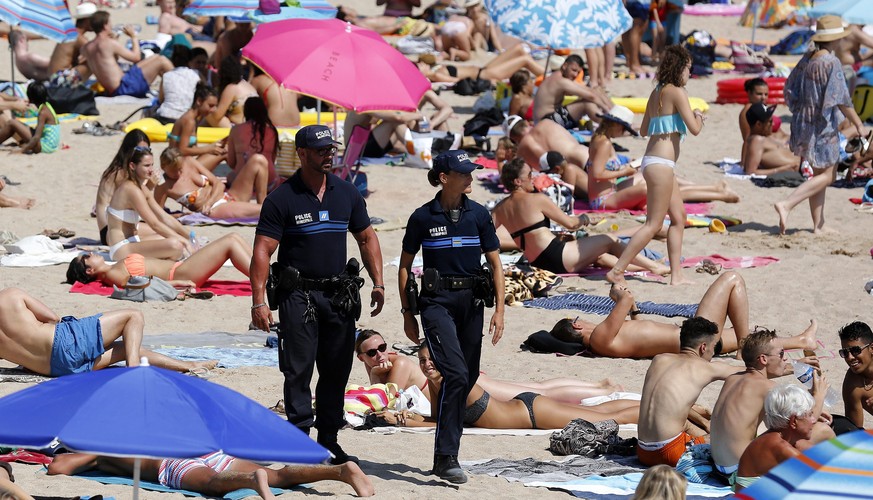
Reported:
(856, 340)
(307, 218)
(739, 409)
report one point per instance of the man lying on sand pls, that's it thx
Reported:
(36, 338)
(671, 387)
(619, 337)
(739, 409)
(215, 474)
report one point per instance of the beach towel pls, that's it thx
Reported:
(100, 477)
(198, 219)
(21, 375)
(228, 357)
(690, 208)
(731, 262)
(600, 487)
(596, 304)
(218, 287)
(569, 469)
(62, 118)
(361, 399)
(479, 431)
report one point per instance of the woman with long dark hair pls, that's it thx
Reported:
(251, 151)
(233, 90)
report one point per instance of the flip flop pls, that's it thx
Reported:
(51, 233)
(66, 233)
(202, 294)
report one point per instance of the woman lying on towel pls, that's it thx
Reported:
(197, 189)
(133, 202)
(526, 410)
(500, 68)
(612, 185)
(528, 215)
(184, 133)
(193, 271)
(385, 367)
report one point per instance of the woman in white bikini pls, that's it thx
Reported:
(667, 121)
(133, 202)
(384, 367)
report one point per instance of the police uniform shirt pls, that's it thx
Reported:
(453, 249)
(312, 233)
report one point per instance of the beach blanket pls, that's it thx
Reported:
(36, 251)
(482, 432)
(228, 357)
(198, 219)
(731, 262)
(100, 477)
(218, 287)
(62, 118)
(21, 375)
(690, 209)
(596, 304)
(571, 468)
(623, 487)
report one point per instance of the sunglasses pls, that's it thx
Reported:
(326, 151)
(372, 352)
(143, 149)
(855, 351)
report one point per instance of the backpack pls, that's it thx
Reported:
(469, 86)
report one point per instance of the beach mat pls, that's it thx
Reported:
(596, 304)
(149, 486)
(21, 375)
(198, 219)
(228, 357)
(623, 487)
(485, 432)
(218, 287)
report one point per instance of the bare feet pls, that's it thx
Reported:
(13, 202)
(662, 269)
(679, 279)
(807, 337)
(730, 196)
(201, 365)
(352, 474)
(616, 277)
(824, 230)
(783, 216)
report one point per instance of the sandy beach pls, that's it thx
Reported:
(817, 277)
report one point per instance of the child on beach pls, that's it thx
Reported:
(667, 121)
(46, 137)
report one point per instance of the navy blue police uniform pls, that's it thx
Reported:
(451, 318)
(312, 239)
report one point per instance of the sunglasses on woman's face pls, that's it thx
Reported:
(372, 352)
(855, 350)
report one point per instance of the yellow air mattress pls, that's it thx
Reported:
(638, 104)
(157, 132)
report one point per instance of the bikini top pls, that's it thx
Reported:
(475, 411)
(192, 140)
(667, 124)
(135, 265)
(188, 199)
(130, 216)
(521, 232)
(613, 164)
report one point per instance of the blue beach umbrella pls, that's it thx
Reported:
(149, 412)
(572, 24)
(839, 468)
(49, 18)
(315, 9)
(852, 11)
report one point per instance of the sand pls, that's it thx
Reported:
(820, 277)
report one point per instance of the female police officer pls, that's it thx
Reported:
(452, 232)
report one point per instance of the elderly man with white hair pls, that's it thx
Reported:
(789, 416)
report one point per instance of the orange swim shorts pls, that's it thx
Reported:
(670, 453)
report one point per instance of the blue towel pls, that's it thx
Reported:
(149, 486)
(603, 305)
(599, 487)
(229, 357)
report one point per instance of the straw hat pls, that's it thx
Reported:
(85, 9)
(829, 28)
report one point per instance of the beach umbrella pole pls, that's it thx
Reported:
(12, 79)
(318, 111)
(755, 10)
(137, 462)
(548, 58)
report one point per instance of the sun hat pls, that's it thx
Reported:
(454, 160)
(85, 9)
(550, 160)
(829, 28)
(621, 115)
(509, 123)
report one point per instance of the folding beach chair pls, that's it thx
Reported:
(350, 166)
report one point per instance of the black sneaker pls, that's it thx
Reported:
(448, 469)
(339, 456)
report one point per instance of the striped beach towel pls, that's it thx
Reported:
(363, 399)
(596, 304)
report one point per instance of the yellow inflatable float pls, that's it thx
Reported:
(157, 132)
(638, 104)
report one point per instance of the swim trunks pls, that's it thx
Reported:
(562, 117)
(669, 452)
(133, 83)
(172, 471)
(78, 343)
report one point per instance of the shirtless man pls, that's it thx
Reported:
(215, 474)
(232, 41)
(856, 340)
(534, 143)
(549, 99)
(102, 54)
(387, 130)
(67, 65)
(33, 336)
(788, 414)
(763, 155)
(618, 337)
(671, 387)
(739, 409)
(281, 102)
(32, 66)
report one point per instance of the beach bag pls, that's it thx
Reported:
(422, 147)
(269, 7)
(590, 439)
(145, 288)
(795, 44)
(701, 45)
(482, 121)
(76, 99)
(469, 86)
(287, 162)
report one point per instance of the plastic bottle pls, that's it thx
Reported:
(804, 373)
(399, 403)
(195, 243)
(424, 125)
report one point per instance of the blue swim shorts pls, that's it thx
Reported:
(133, 83)
(77, 345)
(638, 10)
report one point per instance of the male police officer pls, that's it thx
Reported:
(318, 297)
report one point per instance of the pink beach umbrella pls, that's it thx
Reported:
(334, 61)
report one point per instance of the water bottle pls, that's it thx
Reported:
(195, 243)
(399, 404)
(804, 372)
(424, 125)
